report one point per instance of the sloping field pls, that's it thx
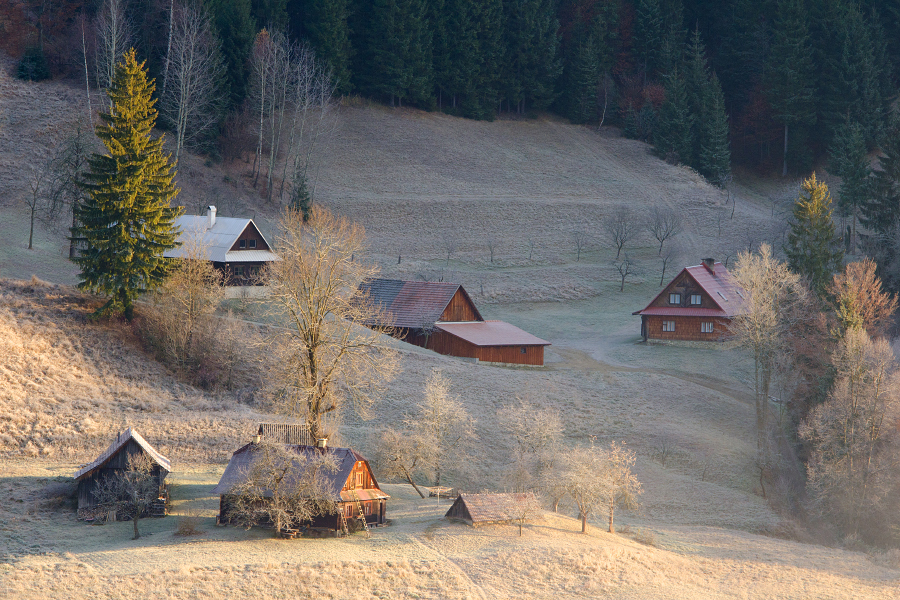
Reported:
(434, 192)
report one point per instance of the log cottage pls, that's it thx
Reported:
(484, 509)
(235, 246)
(354, 488)
(697, 305)
(442, 317)
(113, 461)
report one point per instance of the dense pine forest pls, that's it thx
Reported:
(778, 85)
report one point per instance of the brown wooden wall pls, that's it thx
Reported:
(250, 233)
(231, 278)
(459, 309)
(685, 285)
(368, 481)
(117, 463)
(451, 345)
(686, 328)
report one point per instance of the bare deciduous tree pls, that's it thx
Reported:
(619, 227)
(65, 192)
(492, 246)
(853, 434)
(773, 300)
(598, 479)
(664, 224)
(580, 239)
(405, 454)
(131, 491)
(536, 433)
(523, 507)
(321, 361)
(284, 486)
(114, 34)
(191, 98)
(37, 183)
(671, 254)
(627, 266)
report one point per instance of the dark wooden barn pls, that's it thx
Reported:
(442, 317)
(697, 305)
(354, 487)
(484, 509)
(114, 460)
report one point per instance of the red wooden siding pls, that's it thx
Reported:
(451, 345)
(686, 328)
(459, 309)
(684, 285)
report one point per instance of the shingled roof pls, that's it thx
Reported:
(411, 304)
(478, 509)
(121, 440)
(242, 461)
(718, 284)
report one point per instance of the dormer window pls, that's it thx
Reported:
(674, 298)
(696, 299)
(242, 244)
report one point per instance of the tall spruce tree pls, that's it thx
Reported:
(790, 71)
(588, 48)
(531, 59)
(714, 158)
(237, 30)
(811, 249)
(324, 23)
(672, 136)
(649, 32)
(696, 82)
(848, 160)
(126, 224)
(881, 213)
(473, 43)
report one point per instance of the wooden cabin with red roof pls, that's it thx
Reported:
(697, 305)
(441, 317)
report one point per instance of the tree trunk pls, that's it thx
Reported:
(413, 483)
(583, 523)
(784, 168)
(31, 230)
(134, 521)
(612, 510)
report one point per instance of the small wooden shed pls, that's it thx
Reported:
(353, 486)
(114, 460)
(484, 509)
(441, 317)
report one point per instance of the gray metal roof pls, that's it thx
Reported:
(492, 333)
(121, 440)
(218, 240)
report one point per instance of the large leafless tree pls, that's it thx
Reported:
(191, 98)
(664, 224)
(619, 227)
(320, 360)
(131, 491)
(114, 37)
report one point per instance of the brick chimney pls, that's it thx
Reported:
(710, 264)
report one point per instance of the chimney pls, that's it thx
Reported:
(321, 442)
(257, 439)
(212, 216)
(710, 264)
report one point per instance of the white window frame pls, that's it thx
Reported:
(251, 243)
(707, 327)
(698, 298)
(676, 296)
(668, 326)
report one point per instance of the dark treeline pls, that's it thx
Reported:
(773, 82)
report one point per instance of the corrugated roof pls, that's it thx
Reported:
(260, 256)
(242, 461)
(719, 286)
(490, 508)
(410, 304)
(681, 311)
(121, 440)
(491, 333)
(216, 240)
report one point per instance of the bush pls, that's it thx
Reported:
(33, 66)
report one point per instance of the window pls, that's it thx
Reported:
(349, 509)
(668, 325)
(359, 478)
(238, 271)
(251, 243)
(367, 508)
(242, 244)
(696, 299)
(674, 298)
(254, 271)
(706, 327)
(524, 350)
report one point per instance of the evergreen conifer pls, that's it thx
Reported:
(714, 159)
(325, 24)
(848, 161)
(672, 135)
(811, 249)
(648, 35)
(126, 224)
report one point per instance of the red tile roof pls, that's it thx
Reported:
(719, 286)
(492, 333)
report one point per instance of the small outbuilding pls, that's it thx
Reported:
(442, 317)
(114, 461)
(235, 246)
(697, 305)
(353, 486)
(484, 509)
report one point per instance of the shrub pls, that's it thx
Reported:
(33, 66)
